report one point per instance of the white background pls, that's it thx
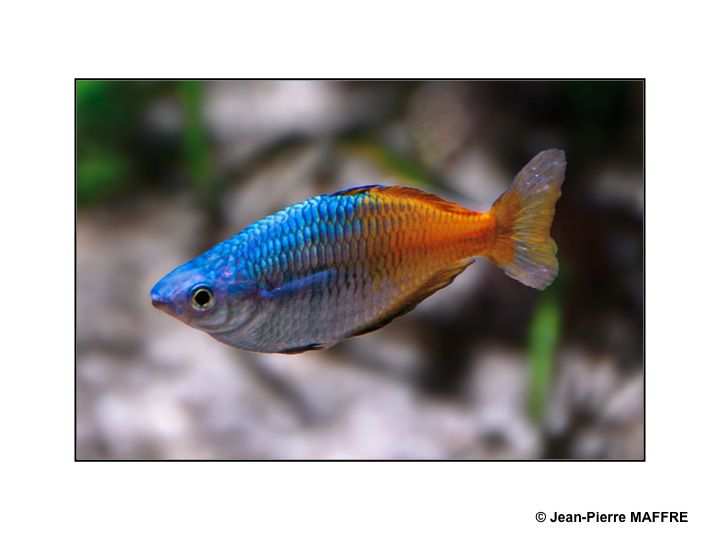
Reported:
(45, 494)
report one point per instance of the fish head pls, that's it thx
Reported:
(211, 298)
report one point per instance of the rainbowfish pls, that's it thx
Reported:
(340, 265)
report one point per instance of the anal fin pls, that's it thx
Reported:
(303, 348)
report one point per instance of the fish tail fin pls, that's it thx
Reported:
(523, 217)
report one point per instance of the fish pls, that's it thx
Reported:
(345, 264)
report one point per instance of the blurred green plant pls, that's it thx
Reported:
(196, 145)
(116, 150)
(104, 125)
(544, 335)
(400, 166)
(101, 174)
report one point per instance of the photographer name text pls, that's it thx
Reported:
(632, 517)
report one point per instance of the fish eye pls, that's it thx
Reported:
(202, 299)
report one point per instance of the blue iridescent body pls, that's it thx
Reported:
(344, 264)
(275, 280)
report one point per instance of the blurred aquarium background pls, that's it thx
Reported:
(484, 369)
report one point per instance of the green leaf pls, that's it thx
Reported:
(195, 140)
(542, 344)
(100, 176)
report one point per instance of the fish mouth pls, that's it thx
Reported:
(165, 306)
(162, 304)
(171, 310)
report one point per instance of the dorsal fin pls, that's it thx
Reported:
(355, 190)
(441, 279)
(403, 192)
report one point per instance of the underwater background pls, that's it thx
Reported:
(484, 369)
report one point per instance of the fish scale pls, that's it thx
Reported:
(344, 264)
(349, 288)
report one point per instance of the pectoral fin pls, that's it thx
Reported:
(313, 282)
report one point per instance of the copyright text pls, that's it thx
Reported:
(602, 517)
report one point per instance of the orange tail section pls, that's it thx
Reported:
(524, 213)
